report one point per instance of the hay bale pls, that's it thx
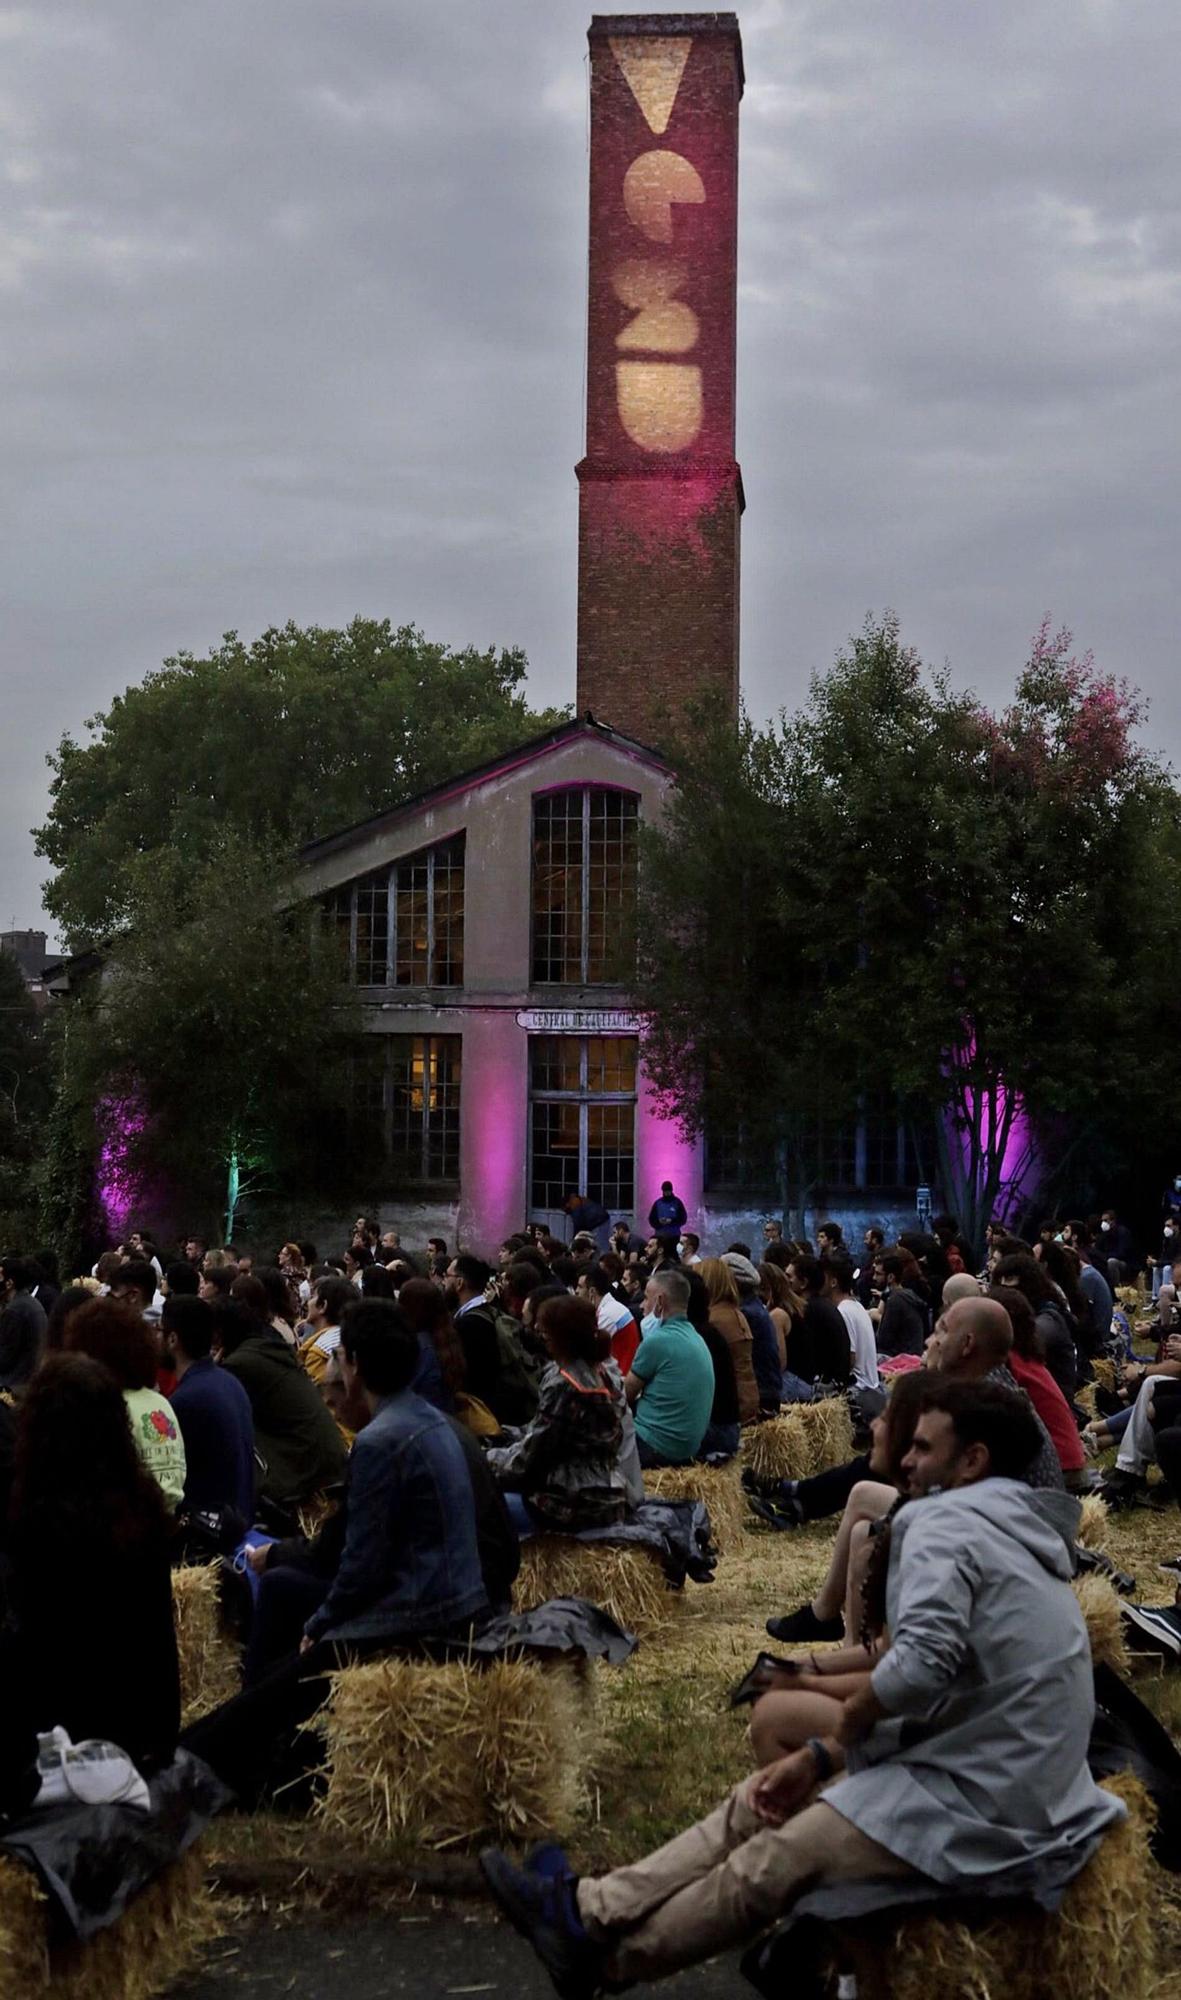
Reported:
(1103, 1369)
(155, 1942)
(628, 1583)
(210, 1670)
(454, 1753)
(1092, 1527)
(1105, 1628)
(804, 1439)
(1100, 1943)
(719, 1487)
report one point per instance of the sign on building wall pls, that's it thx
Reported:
(578, 1021)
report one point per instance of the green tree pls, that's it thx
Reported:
(955, 906)
(281, 740)
(208, 1062)
(24, 1101)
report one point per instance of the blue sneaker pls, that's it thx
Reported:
(539, 1901)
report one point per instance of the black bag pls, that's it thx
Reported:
(1126, 1736)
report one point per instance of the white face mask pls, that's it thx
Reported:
(1105, 1225)
(648, 1324)
(1169, 1230)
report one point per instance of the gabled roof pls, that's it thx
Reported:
(508, 760)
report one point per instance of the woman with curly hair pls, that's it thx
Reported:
(89, 1580)
(125, 1344)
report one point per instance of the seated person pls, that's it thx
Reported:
(1126, 1484)
(818, 1349)
(727, 1318)
(409, 1567)
(870, 1501)
(563, 1470)
(496, 1368)
(670, 1386)
(988, 1656)
(1028, 1368)
(723, 1433)
(213, 1412)
(765, 1336)
(297, 1441)
(120, 1337)
(294, 1573)
(615, 1319)
(905, 1318)
(90, 1583)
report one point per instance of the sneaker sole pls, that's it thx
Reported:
(1166, 1640)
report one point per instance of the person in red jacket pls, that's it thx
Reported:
(1031, 1374)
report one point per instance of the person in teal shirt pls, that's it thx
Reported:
(671, 1383)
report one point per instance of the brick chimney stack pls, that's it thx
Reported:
(660, 492)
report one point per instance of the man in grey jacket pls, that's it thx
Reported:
(965, 1747)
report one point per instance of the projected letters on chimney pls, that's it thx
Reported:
(659, 401)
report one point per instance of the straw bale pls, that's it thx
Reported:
(1103, 1370)
(1099, 1944)
(718, 1486)
(1105, 1627)
(626, 1582)
(1085, 1400)
(156, 1941)
(209, 1666)
(312, 1513)
(452, 1753)
(1092, 1527)
(802, 1440)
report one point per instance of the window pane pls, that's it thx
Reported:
(554, 1133)
(337, 915)
(611, 886)
(553, 1062)
(447, 969)
(425, 1099)
(557, 888)
(372, 930)
(610, 1156)
(412, 963)
(611, 1064)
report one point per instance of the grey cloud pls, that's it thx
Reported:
(293, 313)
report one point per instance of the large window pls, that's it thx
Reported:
(403, 926)
(582, 1118)
(584, 886)
(406, 1106)
(874, 1153)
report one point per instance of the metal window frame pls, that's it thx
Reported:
(584, 1097)
(420, 1173)
(582, 976)
(391, 893)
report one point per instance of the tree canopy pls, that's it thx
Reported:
(896, 890)
(287, 737)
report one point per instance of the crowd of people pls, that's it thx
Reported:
(367, 1437)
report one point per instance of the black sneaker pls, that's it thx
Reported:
(768, 1489)
(1124, 1489)
(1171, 1566)
(776, 1513)
(802, 1625)
(1160, 1626)
(539, 1901)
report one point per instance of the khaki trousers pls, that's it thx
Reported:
(721, 1882)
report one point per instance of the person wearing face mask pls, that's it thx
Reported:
(1162, 1268)
(670, 1385)
(1116, 1248)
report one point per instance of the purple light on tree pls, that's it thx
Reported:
(119, 1177)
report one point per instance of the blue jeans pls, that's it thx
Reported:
(796, 1390)
(1118, 1424)
(653, 1460)
(719, 1439)
(520, 1516)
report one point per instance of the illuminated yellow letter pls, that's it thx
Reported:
(663, 324)
(652, 184)
(659, 403)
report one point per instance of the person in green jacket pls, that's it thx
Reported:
(296, 1437)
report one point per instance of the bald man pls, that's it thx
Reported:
(960, 1285)
(971, 1343)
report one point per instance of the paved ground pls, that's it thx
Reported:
(404, 1958)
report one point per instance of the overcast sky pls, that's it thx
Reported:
(291, 311)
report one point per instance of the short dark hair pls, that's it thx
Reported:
(810, 1272)
(22, 1273)
(118, 1337)
(191, 1320)
(737, 1249)
(598, 1279)
(832, 1229)
(687, 1236)
(221, 1277)
(840, 1270)
(473, 1271)
(778, 1254)
(376, 1282)
(336, 1295)
(985, 1413)
(137, 1273)
(1081, 1234)
(377, 1341)
(251, 1293)
(182, 1281)
(523, 1277)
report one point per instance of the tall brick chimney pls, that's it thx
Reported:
(660, 492)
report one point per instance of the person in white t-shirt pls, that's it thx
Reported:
(615, 1319)
(862, 1344)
